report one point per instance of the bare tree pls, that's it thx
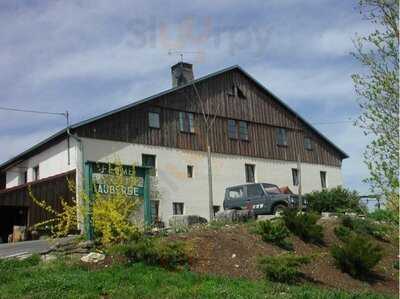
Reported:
(209, 113)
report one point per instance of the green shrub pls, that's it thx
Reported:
(384, 215)
(335, 200)
(274, 231)
(342, 232)
(283, 268)
(357, 255)
(304, 225)
(154, 251)
(366, 227)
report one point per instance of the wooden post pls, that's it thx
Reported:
(146, 197)
(299, 181)
(89, 192)
(210, 187)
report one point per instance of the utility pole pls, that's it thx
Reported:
(210, 184)
(299, 168)
(300, 186)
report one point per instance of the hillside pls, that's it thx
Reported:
(232, 250)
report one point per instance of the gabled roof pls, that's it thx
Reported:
(62, 132)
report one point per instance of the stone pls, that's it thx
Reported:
(23, 256)
(267, 217)
(325, 215)
(186, 220)
(48, 257)
(351, 214)
(234, 215)
(93, 257)
(86, 244)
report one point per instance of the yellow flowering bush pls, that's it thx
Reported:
(63, 222)
(114, 205)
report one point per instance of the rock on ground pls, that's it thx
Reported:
(71, 246)
(234, 215)
(93, 257)
(186, 220)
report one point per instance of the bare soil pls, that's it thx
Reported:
(233, 251)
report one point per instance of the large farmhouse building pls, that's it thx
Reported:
(254, 137)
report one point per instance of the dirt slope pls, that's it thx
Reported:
(233, 251)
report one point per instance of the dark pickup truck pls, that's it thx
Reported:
(262, 198)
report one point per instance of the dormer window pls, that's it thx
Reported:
(235, 91)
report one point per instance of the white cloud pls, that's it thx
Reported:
(324, 85)
(17, 143)
(89, 57)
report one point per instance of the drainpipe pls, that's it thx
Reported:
(79, 141)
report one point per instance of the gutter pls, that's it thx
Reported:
(77, 139)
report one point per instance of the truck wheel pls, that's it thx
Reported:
(278, 209)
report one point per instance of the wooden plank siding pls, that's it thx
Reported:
(262, 113)
(49, 190)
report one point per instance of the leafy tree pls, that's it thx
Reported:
(378, 89)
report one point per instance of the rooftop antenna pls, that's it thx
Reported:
(181, 53)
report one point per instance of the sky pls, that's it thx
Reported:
(89, 57)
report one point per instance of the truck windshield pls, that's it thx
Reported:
(271, 189)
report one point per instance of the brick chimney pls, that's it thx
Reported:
(182, 73)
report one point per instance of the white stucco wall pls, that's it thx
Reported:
(14, 177)
(228, 170)
(51, 161)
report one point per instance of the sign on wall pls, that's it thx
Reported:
(101, 171)
(95, 178)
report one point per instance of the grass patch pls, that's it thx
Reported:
(154, 251)
(64, 279)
